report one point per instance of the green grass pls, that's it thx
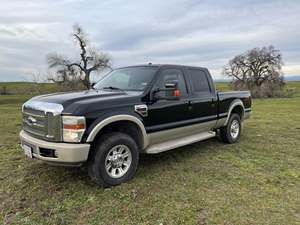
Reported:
(223, 86)
(17, 88)
(295, 85)
(256, 181)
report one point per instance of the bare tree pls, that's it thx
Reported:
(67, 79)
(258, 69)
(37, 77)
(64, 75)
(89, 61)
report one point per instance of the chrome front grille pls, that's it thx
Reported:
(35, 122)
(41, 121)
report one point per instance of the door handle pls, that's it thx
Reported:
(188, 102)
(213, 103)
(190, 105)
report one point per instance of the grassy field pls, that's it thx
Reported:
(19, 88)
(256, 181)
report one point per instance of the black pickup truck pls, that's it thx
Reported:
(132, 110)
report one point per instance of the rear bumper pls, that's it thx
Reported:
(247, 114)
(63, 153)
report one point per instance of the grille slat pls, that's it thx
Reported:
(35, 115)
(34, 131)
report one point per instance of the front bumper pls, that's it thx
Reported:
(63, 153)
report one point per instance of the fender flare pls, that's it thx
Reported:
(117, 118)
(235, 103)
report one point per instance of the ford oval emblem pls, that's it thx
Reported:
(31, 120)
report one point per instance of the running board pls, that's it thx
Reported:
(179, 142)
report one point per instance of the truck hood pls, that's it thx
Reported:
(68, 100)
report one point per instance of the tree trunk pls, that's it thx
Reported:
(86, 81)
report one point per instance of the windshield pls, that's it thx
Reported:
(128, 79)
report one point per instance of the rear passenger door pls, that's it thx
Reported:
(202, 99)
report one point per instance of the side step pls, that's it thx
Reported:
(168, 145)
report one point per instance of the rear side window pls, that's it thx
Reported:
(199, 81)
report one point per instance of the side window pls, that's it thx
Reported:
(199, 81)
(172, 74)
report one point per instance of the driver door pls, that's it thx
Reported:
(166, 114)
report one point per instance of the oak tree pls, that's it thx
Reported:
(258, 69)
(89, 61)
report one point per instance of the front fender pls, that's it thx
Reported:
(111, 119)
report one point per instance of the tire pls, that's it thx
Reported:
(107, 165)
(232, 131)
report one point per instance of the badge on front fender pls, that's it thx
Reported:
(141, 109)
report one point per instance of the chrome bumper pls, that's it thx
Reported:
(63, 153)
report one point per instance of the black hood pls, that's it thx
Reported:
(67, 99)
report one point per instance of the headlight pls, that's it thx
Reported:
(73, 128)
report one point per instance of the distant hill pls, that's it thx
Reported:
(287, 78)
(19, 88)
(292, 78)
(222, 80)
(23, 87)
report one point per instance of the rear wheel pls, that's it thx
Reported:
(232, 131)
(114, 159)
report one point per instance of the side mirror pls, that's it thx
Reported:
(171, 84)
(93, 84)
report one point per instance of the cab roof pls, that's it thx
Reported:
(164, 65)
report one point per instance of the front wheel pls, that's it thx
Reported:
(114, 159)
(232, 131)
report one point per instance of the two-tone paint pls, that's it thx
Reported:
(158, 121)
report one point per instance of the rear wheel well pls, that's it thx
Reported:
(238, 110)
(127, 127)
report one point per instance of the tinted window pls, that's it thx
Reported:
(169, 75)
(199, 81)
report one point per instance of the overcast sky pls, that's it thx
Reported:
(194, 32)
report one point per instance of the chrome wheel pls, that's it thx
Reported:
(118, 161)
(234, 129)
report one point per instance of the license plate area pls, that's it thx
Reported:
(27, 150)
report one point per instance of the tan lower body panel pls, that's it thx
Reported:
(171, 134)
(179, 142)
(173, 138)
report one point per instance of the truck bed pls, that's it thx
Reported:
(227, 97)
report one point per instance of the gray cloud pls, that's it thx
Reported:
(205, 33)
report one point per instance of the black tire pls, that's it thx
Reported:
(225, 132)
(98, 158)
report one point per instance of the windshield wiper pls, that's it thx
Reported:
(113, 88)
